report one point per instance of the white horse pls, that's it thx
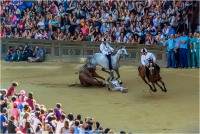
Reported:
(101, 60)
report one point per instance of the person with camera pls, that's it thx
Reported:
(19, 51)
(160, 39)
(38, 34)
(27, 52)
(10, 55)
(38, 55)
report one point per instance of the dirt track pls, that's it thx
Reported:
(136, 111)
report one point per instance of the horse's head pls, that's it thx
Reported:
(90, 61)
(122, 51)
(151, 66)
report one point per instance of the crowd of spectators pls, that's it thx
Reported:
(22, 114)
(182, 50)
(128, 21)
(24, 53)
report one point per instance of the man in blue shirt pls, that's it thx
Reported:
(177, 50)
(194, 44)
(183, 50)
(196, 47)
(170, 51)
(189, 53)
(39, 55)
(171, 31)
(3, 121)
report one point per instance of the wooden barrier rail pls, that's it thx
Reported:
(72, 51)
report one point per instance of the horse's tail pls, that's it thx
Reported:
(139, 68)
(83, 60)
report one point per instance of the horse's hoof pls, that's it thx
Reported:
(116, 78)
(154, 90)
(165, 90)
(109, 89)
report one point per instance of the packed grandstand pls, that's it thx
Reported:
(147, 22)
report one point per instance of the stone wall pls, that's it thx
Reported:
(72, 51)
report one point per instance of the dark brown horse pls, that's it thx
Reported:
(88, 77)
(154, 76)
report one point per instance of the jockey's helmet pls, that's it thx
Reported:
(144, 50)
(120, 82)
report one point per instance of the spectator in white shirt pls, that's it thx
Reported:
(60, 124)
(165, 30)
(121, 38)
(35, 120)
(160, 39)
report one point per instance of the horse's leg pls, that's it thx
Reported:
(111, 73)
(147, 83)
(154, 90)
(117, 72)
(96, 79)
(164, 90)
(103, 69)
(159, 86)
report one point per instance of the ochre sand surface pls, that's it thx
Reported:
(137, 111)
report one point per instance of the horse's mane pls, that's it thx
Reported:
(114, 53)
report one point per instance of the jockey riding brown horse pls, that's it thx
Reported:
(88, 77)
(153, 76)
